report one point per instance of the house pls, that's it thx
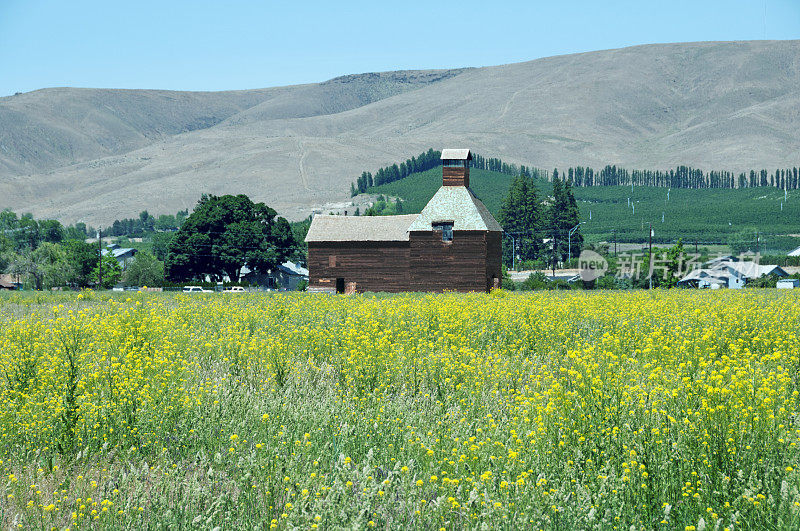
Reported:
(289, 275)
(795, 252)
(123, 255)
(7, 283)
(788, 283)
(728, 272)
(708, 278)
(453, 244)
(286, 276)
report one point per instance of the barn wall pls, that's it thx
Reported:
(494, 253)
(460, 265)
(373, 266)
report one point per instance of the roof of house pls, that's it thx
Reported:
(327, 228)
(293, 269)
(753, 269)
(120, 251)
(459, 205)
(795, 252)
(724, 270)
(456, 154)
(289, 268)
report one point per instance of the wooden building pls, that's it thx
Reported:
(453, 244)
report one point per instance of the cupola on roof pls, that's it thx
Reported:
(456, 154)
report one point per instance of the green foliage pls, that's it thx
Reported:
(44, 267)
(781, 260)
(299, 231)
(521, 217)
(708, 216)
(767, 281)
(422, 162)
(743, 241)
(562, 216)
(144, 270)
(224, 234)
(505, 281)
(675, 257)
(79, 231)
(159, 242)
(18, 233)
(112, 272)
(83, 259)
(146, 223)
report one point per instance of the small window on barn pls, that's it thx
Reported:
(454, 163)
(446, 228)
(332, 260)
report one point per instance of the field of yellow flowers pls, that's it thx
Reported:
(651, 410)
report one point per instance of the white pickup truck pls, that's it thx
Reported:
(196, 289)
(234, 289)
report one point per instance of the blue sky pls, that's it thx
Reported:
(218, 45)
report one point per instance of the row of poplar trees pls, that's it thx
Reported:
(539, 226)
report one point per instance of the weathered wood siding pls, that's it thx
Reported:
(459, 265)
(494, 254)
(454, 176)
(425, 263)
(373, 266)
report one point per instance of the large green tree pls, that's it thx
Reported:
(224, 234)
(160, 242)
(44, 267)
(144, 270)
(83, 259)
(112, 272)
(521, 217)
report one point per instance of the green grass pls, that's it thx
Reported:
(709, 216)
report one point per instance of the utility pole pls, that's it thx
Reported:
(100, 265)
(650, 254)
(569, 243)
(555, 253)
(615, 241)
(513, 253)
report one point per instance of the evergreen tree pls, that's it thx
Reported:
(562, 216)
(520, 216)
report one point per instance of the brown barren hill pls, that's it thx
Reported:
(97, 155)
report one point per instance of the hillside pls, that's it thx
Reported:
(97, 155)
(709, 216)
